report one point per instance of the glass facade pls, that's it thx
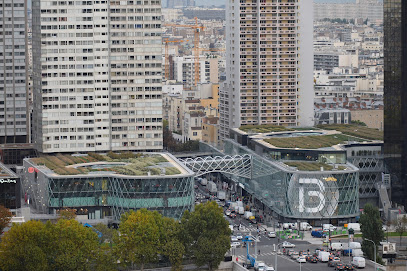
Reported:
(108, 194)
(395, 98)
(296, 194)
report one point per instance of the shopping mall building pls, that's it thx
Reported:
(310, 175)
(100, 188)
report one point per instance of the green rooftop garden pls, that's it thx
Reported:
(265, 128)
(355, 130)
(309, 142)
(312, 166)
(132, 164)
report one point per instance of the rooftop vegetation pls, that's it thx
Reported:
(355, 130)
(136, 164)
(312, 166)
(309, 142)
(265, 128)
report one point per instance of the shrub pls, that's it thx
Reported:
(97, 156)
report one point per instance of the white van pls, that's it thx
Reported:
(354, 226)
(359, 262)
(323, 256)
(336, 246)
(329, 227)
(357, 252)
(305, 226)
(355, 245)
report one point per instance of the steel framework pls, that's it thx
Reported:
(238, 165)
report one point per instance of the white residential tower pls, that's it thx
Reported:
(269, 64)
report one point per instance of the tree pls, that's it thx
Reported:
(206, 234)
(66, 245)
(401, 226)
(74, 246)
(371, 227)
(67, 214)
(5, 218)
(23, 247)
(107, 233)
(172, 247)
(139, 240)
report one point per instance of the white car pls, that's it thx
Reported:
(228, 212)
(233, 238)
(239, 237)
(287, 244)
(301, 259)
(235, 244)
(271, 234)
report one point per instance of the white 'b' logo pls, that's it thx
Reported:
(318, 194)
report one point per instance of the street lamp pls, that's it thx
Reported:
(375, 263)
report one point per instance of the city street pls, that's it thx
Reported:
(266, 245)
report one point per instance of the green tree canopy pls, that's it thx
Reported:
(5, 218)
(206, 234)
(371, 227)
(24, 247)
(66, 245)
(139, 241)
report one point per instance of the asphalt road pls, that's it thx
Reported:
(266, 246)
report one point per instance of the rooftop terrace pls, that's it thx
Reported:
(124, 163)
(312, 166)
(355, 130)
(310, 142)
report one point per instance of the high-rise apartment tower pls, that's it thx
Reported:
(97, 75)
(269, 64)
(14, 120)
(395, 97)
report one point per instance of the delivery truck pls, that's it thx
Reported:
(212, 187)
(247, 215)
(221, 195)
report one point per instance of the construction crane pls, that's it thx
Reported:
(167, 59)
(197, 29)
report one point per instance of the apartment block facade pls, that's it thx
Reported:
(14, 120)
(269, 64)
(97, 75)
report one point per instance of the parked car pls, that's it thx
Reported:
(287, 244)
(318, 234)
(301, 259)
(271, 234)
(235, 244)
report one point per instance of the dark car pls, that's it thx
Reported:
(232, 215)
(308, 258)
(340, 267)
(349, 267)
(313, 260)
(332, 262)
